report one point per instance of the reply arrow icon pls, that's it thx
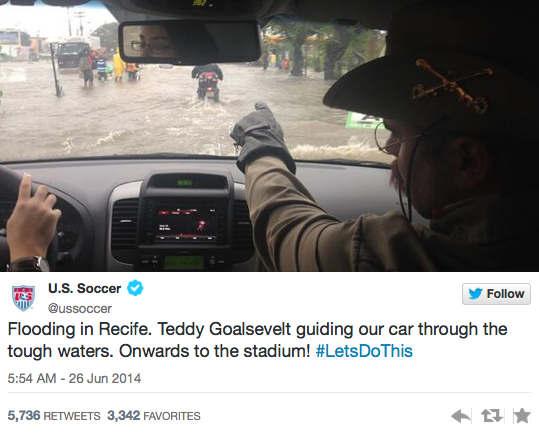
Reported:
(459, 416)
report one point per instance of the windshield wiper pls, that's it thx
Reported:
(175, 155)
(160, 155)
(335, 161)
(191, 156)
(344, 161)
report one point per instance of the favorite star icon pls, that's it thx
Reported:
(522, 415)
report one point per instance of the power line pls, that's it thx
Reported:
(80, 16)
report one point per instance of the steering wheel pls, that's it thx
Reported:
(10, 182)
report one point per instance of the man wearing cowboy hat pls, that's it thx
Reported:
(457, 88)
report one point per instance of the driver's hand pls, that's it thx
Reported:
(259, 134)
(32, 226)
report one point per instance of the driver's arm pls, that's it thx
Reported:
(32, 226)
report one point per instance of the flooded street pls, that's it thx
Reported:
(161, 113)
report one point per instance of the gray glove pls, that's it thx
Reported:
(259, 134)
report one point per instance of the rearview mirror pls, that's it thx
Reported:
(186, 42)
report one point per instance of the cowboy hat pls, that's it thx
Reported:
(474, 65)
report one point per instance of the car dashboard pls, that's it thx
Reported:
(179, 214)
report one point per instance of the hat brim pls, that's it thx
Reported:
(385, 87)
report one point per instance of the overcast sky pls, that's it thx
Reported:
(52, 21)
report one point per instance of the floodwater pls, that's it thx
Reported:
(161, 113)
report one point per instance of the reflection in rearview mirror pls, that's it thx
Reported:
(189, 42)
(150, 41)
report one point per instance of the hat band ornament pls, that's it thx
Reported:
(479, 103)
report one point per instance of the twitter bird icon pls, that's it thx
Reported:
(474, 294)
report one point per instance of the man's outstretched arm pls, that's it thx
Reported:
(291, 231)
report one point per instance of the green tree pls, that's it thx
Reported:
(336, 39)
(363, 47)
(108, 33)
(297, 33)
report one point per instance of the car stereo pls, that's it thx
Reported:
(185, 222)
(179, 222)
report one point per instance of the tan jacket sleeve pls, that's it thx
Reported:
(291, 231)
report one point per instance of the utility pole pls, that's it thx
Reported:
(57, 84)
(69, 21)
(80, 16)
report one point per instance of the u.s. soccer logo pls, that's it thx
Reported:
(23, 297)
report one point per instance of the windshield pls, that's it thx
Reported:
(99, 106)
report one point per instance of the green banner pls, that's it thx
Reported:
(362, 121)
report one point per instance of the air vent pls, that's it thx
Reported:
(124, 230)
(243, 229)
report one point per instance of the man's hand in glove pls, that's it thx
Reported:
(259, 134)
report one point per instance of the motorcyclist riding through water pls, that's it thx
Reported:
(208, 76)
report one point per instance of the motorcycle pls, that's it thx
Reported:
(207, 86)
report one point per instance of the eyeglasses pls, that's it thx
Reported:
(393, 144)
(153, 48)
